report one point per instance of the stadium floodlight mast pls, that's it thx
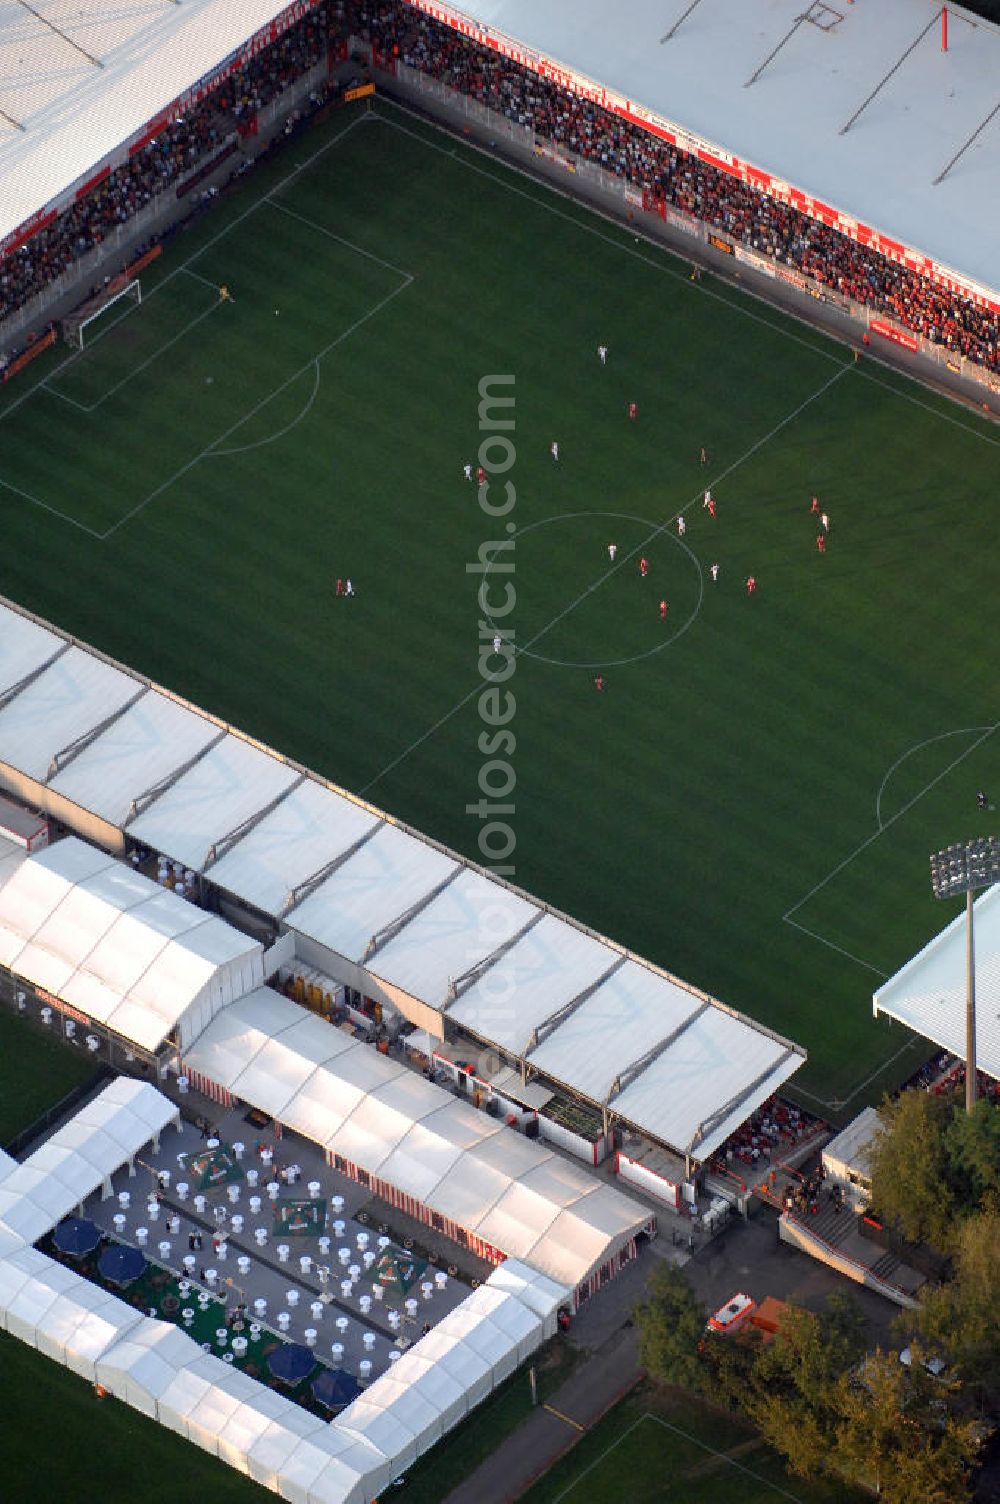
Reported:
(965, 868)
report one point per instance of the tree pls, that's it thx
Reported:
(896, 1433)
(972, 1148)
(910, 1167)
(671, 1327)
(959, 1319)
(794, 1379)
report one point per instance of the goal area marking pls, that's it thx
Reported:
(75, 325)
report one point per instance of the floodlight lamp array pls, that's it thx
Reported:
(966, 867)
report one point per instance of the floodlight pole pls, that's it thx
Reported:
(965, 868)
(970, 1005)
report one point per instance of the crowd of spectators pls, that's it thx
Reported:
(665, 173)
(747, 215)
(180, 147)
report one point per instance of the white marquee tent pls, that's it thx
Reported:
(113, 944)
(82, 1155)
(67, 1317)
(141, 1368)
(513, 1194)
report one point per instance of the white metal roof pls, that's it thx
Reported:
(545, 970)
(24, 646)
(708, 1082)
(928, 993)
(144, 744)
(378, 884)
(309, 828)
(790, 121)
(849, 1148)
(231, 783)
(514, 1192)
(469, 919)
(73, 111)
(614, 1028)
(65, 701)
(124, 951)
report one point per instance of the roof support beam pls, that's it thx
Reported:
(467, 979)
(728, 1108)
(630, 1072)
(964, 148)
(29, 678)
(302, 890)
(142, 801)
(73, 749)
(224, 844)
(389, 931)
(544, 1029)
(67, 39)
(886, 77)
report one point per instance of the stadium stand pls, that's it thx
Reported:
(664, 173)
(668, 173)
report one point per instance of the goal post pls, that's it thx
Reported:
(77, 324)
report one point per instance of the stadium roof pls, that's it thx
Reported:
(928, 994)
(714, 68)
(82, 77)
(417, 924)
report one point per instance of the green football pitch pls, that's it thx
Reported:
(751, 800)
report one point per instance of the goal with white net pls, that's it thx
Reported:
(78, 326)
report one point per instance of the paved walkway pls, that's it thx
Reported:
(555, 1426)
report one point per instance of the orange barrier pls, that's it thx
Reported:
(27, 356)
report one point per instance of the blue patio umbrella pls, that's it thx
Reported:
(334, 1388)
(291, 1363)
(76, 1236)
(120, 1264)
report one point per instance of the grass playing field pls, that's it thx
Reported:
(752, 799)
(681, 1451)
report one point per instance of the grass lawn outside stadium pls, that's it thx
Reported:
(751, 801)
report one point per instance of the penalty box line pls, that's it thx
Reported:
(881, 829)
(185, 266)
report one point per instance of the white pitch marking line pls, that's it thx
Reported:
(37, 502)
(92, 408)
(597, 1461)
(359, 250)
(313, 359)
(668, 271)
(459, 704)
(219, 454)
(891, 821)
(833, 946)
(917, 746)
(186, 265)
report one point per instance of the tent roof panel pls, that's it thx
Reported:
(308, 829)
(548, 967)
(708, 1065)
(69, 698)
(153, 738)
(618, 1024)
(24, 646)
(378, 884)
(230, 784)
(470, 919)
